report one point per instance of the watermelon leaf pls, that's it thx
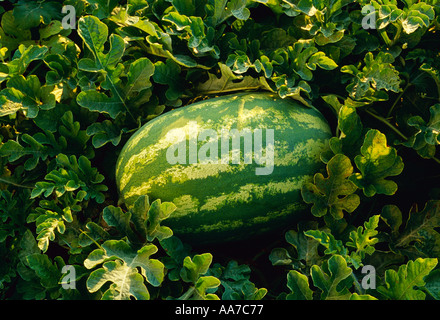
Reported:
(29, 14)
(419, 235)
(195, 267)
(158, 212)
(432, 284)
(204, 284)
(377, 74)
(95, 34)
(406, 282)
(425, 140)
(168, 73)
(362, 239)
(306, 247)
(299, 286)
(72, 174)
(193, 271)
(26, 94)
(115, 217)
(24, 56)
(119, 266)
(39, 147)
(92, 234)
(350, 126)
(98, 101)
(104, 132)
(138, 76)
(122, 94)
(335, 194)
(46, 271)
(49, 223)
(376, 162)
(332, 245)
(229, 81)
(329, 276)
(235, 281)
(434, 73)
(141, 223)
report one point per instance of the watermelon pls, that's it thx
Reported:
(233, 165)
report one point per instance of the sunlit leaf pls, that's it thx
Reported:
(405, 283)
(334, 194)
(377, 162)
(119, 266)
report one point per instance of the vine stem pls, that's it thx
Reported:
(397, 35)
(15, 184)
(385, 37)
(397, 99)
(94, 241)
(385, 121)
(357, 286)
(436, 159)
(35, 68)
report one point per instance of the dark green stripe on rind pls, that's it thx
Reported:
(235, 229)
(227, 201)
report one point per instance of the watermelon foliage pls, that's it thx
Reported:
(72, 94)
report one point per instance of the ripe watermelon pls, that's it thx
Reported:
(226, 190)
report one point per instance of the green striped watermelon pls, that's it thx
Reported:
(227, 184)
